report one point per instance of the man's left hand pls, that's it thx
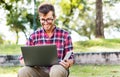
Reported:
(67, 63)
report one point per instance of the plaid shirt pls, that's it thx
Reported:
(60, 37)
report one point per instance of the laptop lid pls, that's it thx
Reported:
(43, 55)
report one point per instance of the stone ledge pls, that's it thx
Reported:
(9, 60)
(98, 58)
(95, 58)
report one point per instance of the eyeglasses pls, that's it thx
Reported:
(48, 20)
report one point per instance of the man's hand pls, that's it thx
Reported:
(22, 61)
(67, 63)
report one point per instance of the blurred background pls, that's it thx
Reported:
(94, 26)
(85, 20)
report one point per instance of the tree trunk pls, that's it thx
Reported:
(25, 34)
(17, 37)
(99, 32)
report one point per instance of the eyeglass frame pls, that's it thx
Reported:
(48, 20)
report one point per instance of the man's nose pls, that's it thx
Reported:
(45, 22)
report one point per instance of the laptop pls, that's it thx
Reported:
(43, 55)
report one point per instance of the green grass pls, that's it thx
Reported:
(95, 71)
(80, 46)
(97, 45)
(10, 49)
(75, 71)
(8, 69)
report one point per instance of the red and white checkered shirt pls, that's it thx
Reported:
(60, 38)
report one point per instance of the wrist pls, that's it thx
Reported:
(20, 58)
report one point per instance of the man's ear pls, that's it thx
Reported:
(54, 17)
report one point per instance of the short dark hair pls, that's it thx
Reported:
(45, 8)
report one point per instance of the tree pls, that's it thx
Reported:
(76, 16)
(17, 16)
(111, 22)
(15, 20)
(99, 31)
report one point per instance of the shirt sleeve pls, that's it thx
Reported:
(20, 57)
(69, 45)
(30, 41)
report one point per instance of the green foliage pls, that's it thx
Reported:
(18, 17)
(67, 7)
(75, 16)
(15, 16)
(110, 2)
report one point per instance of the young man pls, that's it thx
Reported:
(49, 34)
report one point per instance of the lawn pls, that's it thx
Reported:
(95, 71)
(97, 45)
(76, 71)
(9, 49)
(80, 46)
